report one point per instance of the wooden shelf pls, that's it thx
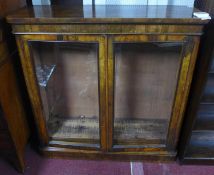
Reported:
(144, 129)
(72, 128)
(205, 117)
(204, 123)
(88, 128)
(212, 64)
(208, 96)
(201, 144)
(206, 110)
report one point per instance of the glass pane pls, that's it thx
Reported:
(67, 75)
(146, 76)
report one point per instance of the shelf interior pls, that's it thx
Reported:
(212, 63)
(208, 95)
(78, 128)
(67, 75)
(205, 117)
(201, 144)
(75, 128)
(144, 89)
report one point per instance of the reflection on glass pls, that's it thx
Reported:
(67, 75)
(189, 3)
(146, 76)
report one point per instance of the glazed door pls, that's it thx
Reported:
(149, 78)
(65, 77)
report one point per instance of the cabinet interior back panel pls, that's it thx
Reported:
(145, 80)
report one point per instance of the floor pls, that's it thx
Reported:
(37, 165)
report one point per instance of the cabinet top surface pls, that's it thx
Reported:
(150, 14)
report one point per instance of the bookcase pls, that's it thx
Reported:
(110, 85)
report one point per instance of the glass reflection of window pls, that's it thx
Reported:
(188, 3)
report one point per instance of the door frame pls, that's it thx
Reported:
(188, 60)
(26, 56)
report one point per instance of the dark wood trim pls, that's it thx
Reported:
(54, 152)
(108, 29)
